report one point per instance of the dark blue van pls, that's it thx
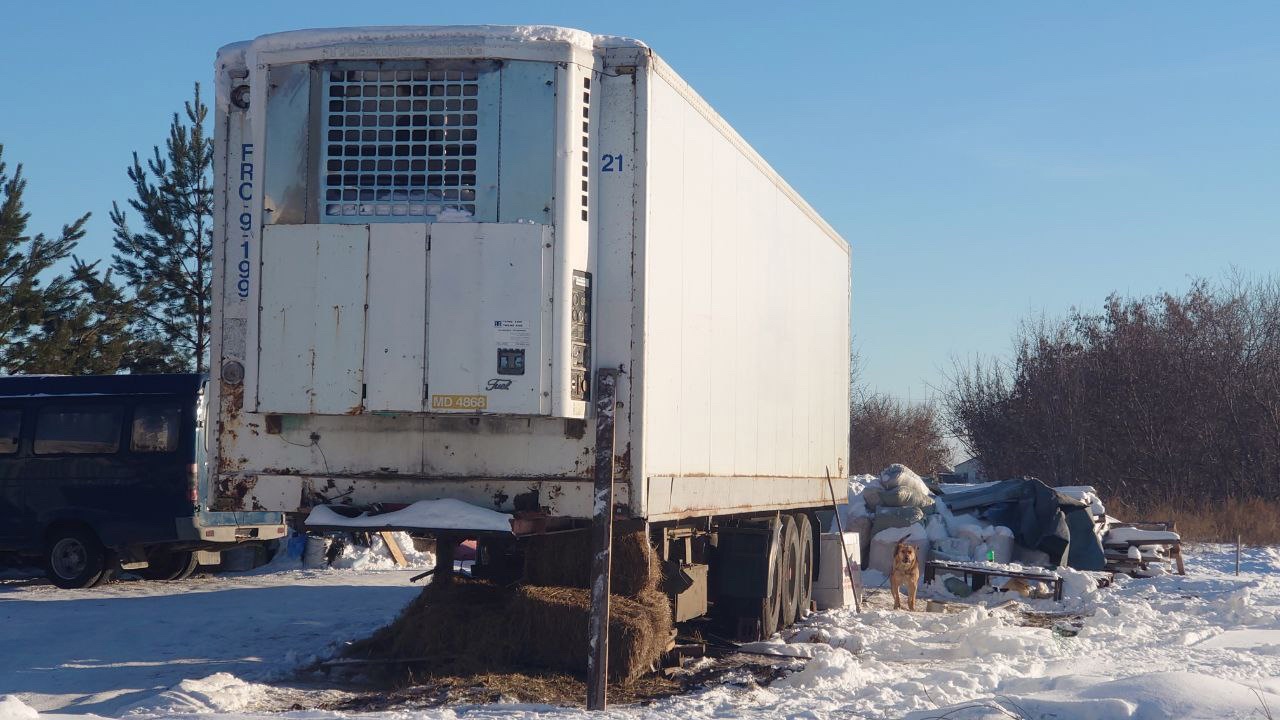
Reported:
(102, 473)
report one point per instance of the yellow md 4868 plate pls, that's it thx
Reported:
(459, 402)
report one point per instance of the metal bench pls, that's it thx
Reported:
(978, 575)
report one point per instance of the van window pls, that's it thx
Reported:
(155, 428)
(77, 430)
(10, 430)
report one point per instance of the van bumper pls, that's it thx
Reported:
(192, 529)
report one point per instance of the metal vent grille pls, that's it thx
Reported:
(400, 143)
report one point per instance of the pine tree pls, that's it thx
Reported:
(24, 301)
(84, 330)
(168, 263)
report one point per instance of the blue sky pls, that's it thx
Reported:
(987, 160)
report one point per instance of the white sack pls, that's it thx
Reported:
(883, 544)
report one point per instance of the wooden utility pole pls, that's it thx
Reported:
(601, 541)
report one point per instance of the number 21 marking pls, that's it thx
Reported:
(611, 163)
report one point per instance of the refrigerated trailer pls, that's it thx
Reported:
(428, 242)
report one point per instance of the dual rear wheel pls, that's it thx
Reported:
(791, 564)
(166, 564)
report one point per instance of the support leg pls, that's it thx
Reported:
(601, 542)
(444, 560)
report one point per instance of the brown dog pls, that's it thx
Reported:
(906, 571)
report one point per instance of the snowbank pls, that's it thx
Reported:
(220, 692)
(446, 514)
(1149, 696)
(375, 556)
(12, 708)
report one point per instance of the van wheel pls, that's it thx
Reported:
(166, 564)
(75, 559)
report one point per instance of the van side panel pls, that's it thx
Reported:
(127, 497)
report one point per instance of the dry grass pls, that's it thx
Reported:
(1256, 521)
(491, 687)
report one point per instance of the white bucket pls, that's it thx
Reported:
(833, 588)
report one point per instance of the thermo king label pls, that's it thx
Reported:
(459, 402)
(511, 333)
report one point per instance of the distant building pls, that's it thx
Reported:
(972, 471)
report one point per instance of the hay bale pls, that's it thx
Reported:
(552, 626)
(564, 560)
(458, 626)
(475, 626)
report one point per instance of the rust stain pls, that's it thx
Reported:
(527, 501)
(228, 418)
(622, 465)
(230, 491)
(500, 498)
(233, 399)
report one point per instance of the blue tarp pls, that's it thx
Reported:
(1040, 517)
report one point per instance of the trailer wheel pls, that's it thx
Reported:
(772, 604)
(790, 571)
(166, 564)
(804, 578)
(74, 559)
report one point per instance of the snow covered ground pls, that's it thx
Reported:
(105, 650)
(1202, 646)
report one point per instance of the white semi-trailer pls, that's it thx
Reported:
(430, 239)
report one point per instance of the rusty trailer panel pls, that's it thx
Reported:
(557, 497)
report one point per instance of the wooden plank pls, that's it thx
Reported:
(393, 547)
(601, 542)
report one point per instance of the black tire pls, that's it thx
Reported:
(807, 565)
(107, 575)
(790, 571)
(166, 564)
(771, 605)
(75, 559)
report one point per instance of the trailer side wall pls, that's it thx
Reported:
(746, 325)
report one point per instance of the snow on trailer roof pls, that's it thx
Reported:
(444, 514)
(515, 42)
(497, 41)
(486, 35)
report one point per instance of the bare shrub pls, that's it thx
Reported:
(1165, 401)
(883, 431)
